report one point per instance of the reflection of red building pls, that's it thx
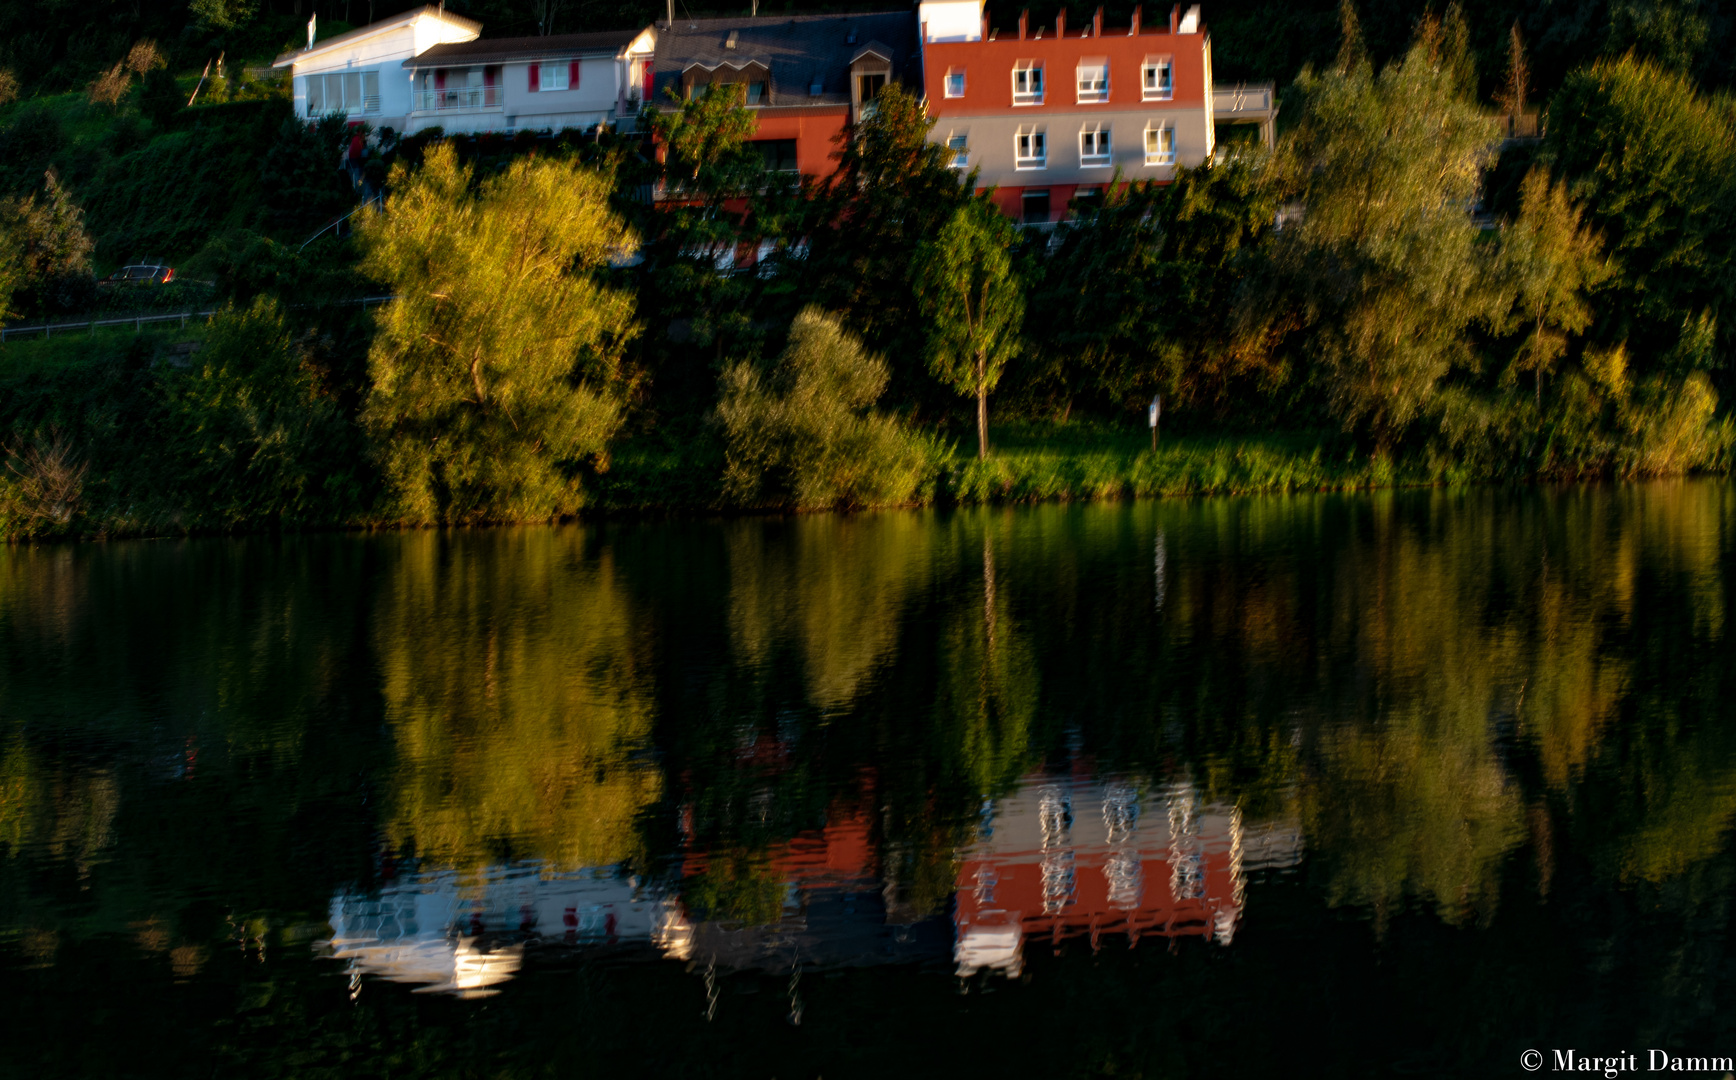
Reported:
(1065, 858)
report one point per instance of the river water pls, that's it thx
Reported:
(1333, 785)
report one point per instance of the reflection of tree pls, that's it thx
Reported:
(508, 666)
(832, 586)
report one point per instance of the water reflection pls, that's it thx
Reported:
(1451, 728)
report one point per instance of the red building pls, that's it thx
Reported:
(1072, 857)
(1047, 113)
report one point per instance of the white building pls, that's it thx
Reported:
(427, 68)
(361, 73)
(530, 84)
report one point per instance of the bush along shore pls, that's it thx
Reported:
(1392, 295)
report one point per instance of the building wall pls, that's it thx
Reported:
(990, 120)
(592, 103)
(990, 142)
(385, 53)
(814, 129)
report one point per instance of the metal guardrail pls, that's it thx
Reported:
(90, 325)
(138, 322)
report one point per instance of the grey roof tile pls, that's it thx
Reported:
(499, 50)
(794, 49)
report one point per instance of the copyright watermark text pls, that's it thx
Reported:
(1652, 1061)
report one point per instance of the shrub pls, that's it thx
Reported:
(806, 435)
(41, 488)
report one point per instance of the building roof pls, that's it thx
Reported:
(798, 51)
(501, 50)
(392, 23)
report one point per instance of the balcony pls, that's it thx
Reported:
(1243, 101)
(1238, 107)
(457, 98)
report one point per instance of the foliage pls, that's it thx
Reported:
(892, 192)
(255, 436)
(705, 141)
(41, 488)
(1655, 165)
(806, 432)
(1555, 262)
(1385, 261)
(1139, 295)
(50, 252)
(496, 370)
(973, 303)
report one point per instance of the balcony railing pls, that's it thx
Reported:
(1242, 98)
(462, 97)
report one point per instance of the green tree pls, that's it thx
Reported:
(1655, 164)
(1140, 295)
(1385, 261)
(973, 301)
(254, 436)
(49, 250)
(495, 371)
(893, 190)
(808, 432)
(705, 141)
(1555, 261)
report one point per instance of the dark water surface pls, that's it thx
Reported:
(1399, 783)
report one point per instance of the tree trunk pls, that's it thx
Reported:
(982, 413)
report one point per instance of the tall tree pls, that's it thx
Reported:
(1385, 261)
(1655, 163)
(1555, 261)
(496, 369)
(973, 301)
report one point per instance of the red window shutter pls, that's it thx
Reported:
(439, 78)
(535, 78)
(649, 79)
(572, 75)
(489, 76)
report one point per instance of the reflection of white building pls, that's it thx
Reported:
(1065, 857)
(465, 934)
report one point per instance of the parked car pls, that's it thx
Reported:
(141, 274)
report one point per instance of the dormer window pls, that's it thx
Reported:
(1028, 83)
(734, 37)
(1157, 82)
(756, 93)
(1093, 82)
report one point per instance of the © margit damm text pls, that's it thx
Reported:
(1654, 1061)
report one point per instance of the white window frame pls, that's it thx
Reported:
(1157, 79)
(1155, 138)
(1095, 147)
(364, 86)
(946, 86)
(1034, 139)
(1032, 72)
(958, 145)
(552, 76)
(1093, 91)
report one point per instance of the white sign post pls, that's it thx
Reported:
(1152, 413)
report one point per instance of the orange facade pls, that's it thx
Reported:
(816, 132)
(1061, 48)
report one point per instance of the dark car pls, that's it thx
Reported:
(141, 274)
